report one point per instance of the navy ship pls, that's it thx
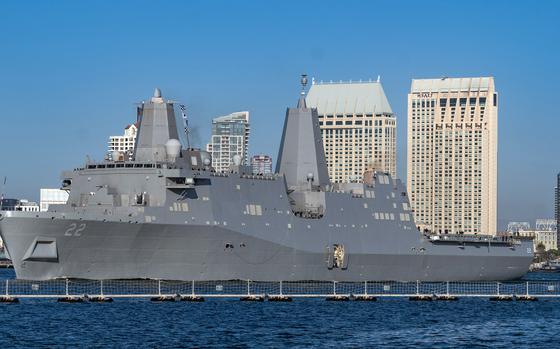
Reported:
(164, 213)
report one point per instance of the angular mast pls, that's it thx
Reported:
(157, 125)
(301, 157)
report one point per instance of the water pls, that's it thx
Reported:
(133, 323)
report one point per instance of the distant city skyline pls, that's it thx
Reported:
(73, 71)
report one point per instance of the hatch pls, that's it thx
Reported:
(42, 250)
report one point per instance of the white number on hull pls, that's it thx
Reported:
(75, 229)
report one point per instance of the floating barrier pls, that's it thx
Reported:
(9, 300)
(252, 298)
(100, 299)
(71, 299)
(421, 298)
(526, 298)
(75, 291)
(192, 298)
(365, 298)
(163, 299)
(502, 298)
(279, 299)
(446, 297)
(338, 298)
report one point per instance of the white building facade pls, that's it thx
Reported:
(545, 233)
(52, 197)
(358, 128)
(125, 142)
(452, 154)
(27, 206)
(261, 164)
(230, 137)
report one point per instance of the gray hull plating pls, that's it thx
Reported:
(110, 250)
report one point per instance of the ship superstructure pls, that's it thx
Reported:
(166, 214)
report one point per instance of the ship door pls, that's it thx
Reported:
(337, 257)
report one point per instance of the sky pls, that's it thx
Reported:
(72, 71)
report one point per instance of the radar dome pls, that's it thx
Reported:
(172, 148)
(115, 155)
(310, 176)
(206, 158)
(157, 93)
(237, 159)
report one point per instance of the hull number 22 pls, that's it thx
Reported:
(75, 229)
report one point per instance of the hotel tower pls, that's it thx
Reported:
(452, 154)
(358, 128)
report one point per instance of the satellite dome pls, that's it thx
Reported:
(157, 93)
(115, 155)
(310, 176)
(206, 158)
(172, 148)
(236, 159)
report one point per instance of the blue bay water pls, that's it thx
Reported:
(134, 323)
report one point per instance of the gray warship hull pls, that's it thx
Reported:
(174, 252)
(166, 214)
(219, 236)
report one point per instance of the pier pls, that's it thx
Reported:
(77, 291)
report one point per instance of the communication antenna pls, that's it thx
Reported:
(185, 123)
(3, 187)
(303, 83)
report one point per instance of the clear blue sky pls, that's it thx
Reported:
(70, 72)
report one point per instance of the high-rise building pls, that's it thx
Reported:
(261, 164)
(52, 197)
(125, 142)
(557, 204)
(358, 128)
(230, 137)
(452, 154)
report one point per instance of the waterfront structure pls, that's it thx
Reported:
(27, 206)
(452, 154)
(52, 197)
(261, 164)
(125, 143)
(230, 137)
(358, 128)
(557, 204)
(544, 233)
(8, 204)
(19, 205)
(167, 215)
